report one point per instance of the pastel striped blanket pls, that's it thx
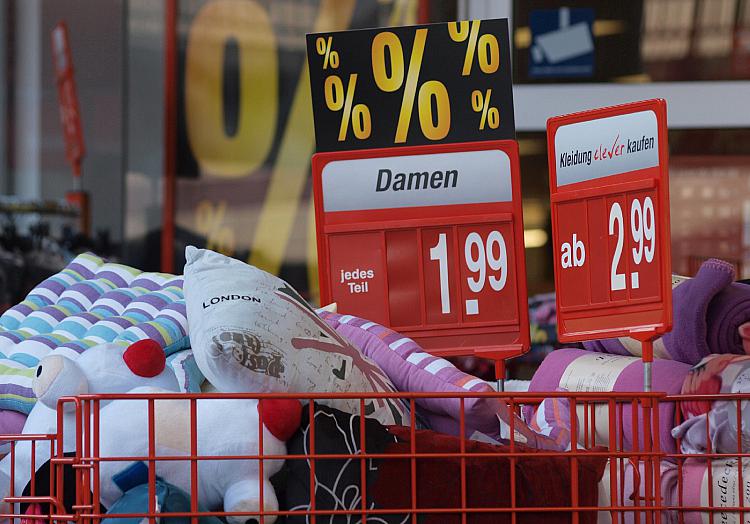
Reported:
(91, 302)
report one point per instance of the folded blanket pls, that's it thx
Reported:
(715, 423)
(580, 370)
(624, 485)
(694, 483)
(702, 483)
(709, 311)
(713, 375)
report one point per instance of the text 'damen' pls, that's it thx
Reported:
(416, 180)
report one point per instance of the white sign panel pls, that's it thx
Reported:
(606, 146)
(469, 177)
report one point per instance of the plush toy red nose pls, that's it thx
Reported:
(145, 358)
(280, 416)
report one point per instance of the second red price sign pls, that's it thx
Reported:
(609, 192)
(429, 241)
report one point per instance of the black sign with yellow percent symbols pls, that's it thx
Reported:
(415, 85)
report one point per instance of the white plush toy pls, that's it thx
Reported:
(224, 427)
(107, 368)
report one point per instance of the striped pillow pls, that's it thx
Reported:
(88, 303)
(410, 368)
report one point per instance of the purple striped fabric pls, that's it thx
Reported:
(179, 307)
(146, 283)
(112, 276)
(73, 303)
(23, 309)
(79, 346)
(121, 321)
(46, 340)
(152, 333)
(87, 317)
(117, 295)
(53, 285)
(106, 311)
(412, 369)
(10, 335)
(104, 304)
(137, 313)
(80, 271)
(91, 290)
(552, 419)
(152, 299)
(406, 347)
(55, 311)
(15, 389)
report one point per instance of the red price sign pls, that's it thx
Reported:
(427, 240)
(609, 191)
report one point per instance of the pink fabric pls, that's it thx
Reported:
(668, 376)
(681, 486)
(33, 509)
(693, 490)
(630, 489)
(11, 423)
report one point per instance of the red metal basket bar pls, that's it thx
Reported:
(646, 505)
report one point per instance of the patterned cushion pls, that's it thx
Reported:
(91, 302)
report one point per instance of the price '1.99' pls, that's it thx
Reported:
(487, 262)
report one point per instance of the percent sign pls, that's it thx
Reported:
(480, 103)
(388, 70)
(359, 114)
(209, 222)
(324, 48)
(485, 46)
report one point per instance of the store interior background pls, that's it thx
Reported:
(242, 185)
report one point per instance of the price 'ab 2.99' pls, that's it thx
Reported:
(609, 191)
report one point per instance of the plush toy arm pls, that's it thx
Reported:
(244, 495)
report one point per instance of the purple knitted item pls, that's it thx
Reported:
(708, 311)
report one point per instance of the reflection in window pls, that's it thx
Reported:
(676, 28)
(714, 34)
(667, 28)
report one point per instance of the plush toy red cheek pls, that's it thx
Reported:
(281, 417)
(145, 358)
